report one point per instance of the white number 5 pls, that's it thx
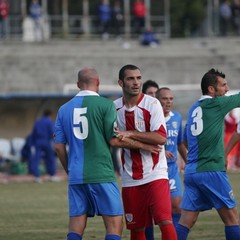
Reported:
(197, 126)
(81, 130)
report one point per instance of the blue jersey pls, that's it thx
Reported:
(174, 134)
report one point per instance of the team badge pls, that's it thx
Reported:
(174, 124)
(129, 217)
(231, 195)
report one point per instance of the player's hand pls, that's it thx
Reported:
(169, 155)
(122, 135)
(155, 149)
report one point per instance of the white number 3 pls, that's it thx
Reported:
(81, 130)
(197, 126)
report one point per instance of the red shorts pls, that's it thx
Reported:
(146, 202)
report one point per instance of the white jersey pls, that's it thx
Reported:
(139, 166)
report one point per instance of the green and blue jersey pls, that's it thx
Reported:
(204, 133)
(86, 124)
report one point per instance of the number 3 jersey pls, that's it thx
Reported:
(86, 123)
(139, 166)
(204, 133)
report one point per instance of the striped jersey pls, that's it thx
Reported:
(174, 134)
(86, 123)
(204, 133)
(139, 166)
(238, 128)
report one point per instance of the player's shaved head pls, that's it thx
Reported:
(87, 75)
(88, 79)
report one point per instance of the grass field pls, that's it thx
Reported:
(30, 211)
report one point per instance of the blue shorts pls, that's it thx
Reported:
(94, 199)
(174, 180)
(207, 190)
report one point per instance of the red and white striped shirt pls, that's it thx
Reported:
(139, 166)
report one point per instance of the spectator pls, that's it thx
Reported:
(104, 12)
(42, 141)
(139, 13)
(4, 12)
(236, 16)
(149, 38)
(117, 18)
(225, 17)
(36, 15)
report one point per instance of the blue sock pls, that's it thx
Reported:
(182, 232)
(112, 237)
(232, 232)
(74, 236)
(149, 233)
(176, 217)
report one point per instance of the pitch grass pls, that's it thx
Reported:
(30, 211)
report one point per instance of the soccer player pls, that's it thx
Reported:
(206, 184)
(86, 124)
(172, 147)
(150, 88)
(145, 185)
(234, 139)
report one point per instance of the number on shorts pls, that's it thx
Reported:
(172, 184)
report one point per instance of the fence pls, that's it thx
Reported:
(74, 26)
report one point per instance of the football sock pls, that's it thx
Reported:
(176, 217)
(168, 232)
(182, 232)
(112, 237)
(232, 232)
(149, 233)
(74, 236)
(138, 235)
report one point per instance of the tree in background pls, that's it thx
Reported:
(186, 17)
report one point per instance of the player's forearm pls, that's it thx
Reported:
(134, 144)
(183, 152)
(153, 138)
(126, 143)
(62, 155)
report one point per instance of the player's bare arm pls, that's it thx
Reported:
(134, 144)
(183, 151)
(153, 138)
(62, 155)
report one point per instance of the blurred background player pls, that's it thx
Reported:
(230, 126)
(42, 141)
(232, 142)
(150, 88)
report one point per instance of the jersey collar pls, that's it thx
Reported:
(87, 93)
(203, 97)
